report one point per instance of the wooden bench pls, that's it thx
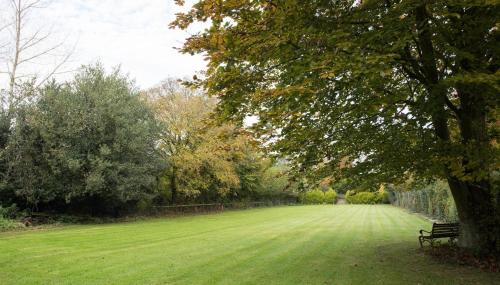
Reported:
(447, 230)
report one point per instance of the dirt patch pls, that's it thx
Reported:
(455, 255)
(341, 201)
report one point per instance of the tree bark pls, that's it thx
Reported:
(478, 214)
(480, 227)
(478, 220)
(15, 61)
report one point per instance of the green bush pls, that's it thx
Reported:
(363, 197)
(8, 224)
(366, 198)
(330, 196)
(314, 197)
(8, 216)
(383, 196)
(349, 193)
(144, 206)
(348, 196)
(10, 212)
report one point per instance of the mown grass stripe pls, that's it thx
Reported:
(348, 244)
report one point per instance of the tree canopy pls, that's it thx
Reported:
(97, 145)
(85, 143)
(206, 162)
(397, 87)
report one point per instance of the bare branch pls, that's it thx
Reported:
(42, 53)
(27, 47)
(58, 66)
(34, 40)
(6, 26)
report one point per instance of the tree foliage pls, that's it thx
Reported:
(397, 87)
(96, 145)
(207, 162)
(89, 143)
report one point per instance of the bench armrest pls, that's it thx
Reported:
(422, 232)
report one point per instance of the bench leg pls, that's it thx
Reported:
(452, 241)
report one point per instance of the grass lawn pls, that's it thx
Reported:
(344, 244)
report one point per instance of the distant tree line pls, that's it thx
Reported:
(97, 145)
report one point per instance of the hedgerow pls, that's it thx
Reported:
(433, 200)
(317, 196)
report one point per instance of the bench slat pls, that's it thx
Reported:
(450, 229)
(443, 235)
(445, 230)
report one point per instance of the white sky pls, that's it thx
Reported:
(130, 33)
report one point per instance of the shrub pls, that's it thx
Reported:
(366, 198)
(382, 195)
(348, 196)
(8, 224)
(314, 197)
(330, 196)
(10, 212)
(302, 197)
(144, 205)
(363, 198)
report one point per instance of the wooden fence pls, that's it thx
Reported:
(216, 207)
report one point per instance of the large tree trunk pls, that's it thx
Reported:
(476, 210)
(471, 189)
(469, 182)
(473, 195)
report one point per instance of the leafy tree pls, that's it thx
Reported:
(206, 162)
(87, 145)
(398, 87)
(208, 171)
(181, 113)
(278, 181)
(26, 169)
(4, 137)
(232, 145)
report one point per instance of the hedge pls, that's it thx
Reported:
(433, 200)
(330, 196)
(319, 197)
(366, 197)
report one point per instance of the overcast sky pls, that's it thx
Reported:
(130, 33)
